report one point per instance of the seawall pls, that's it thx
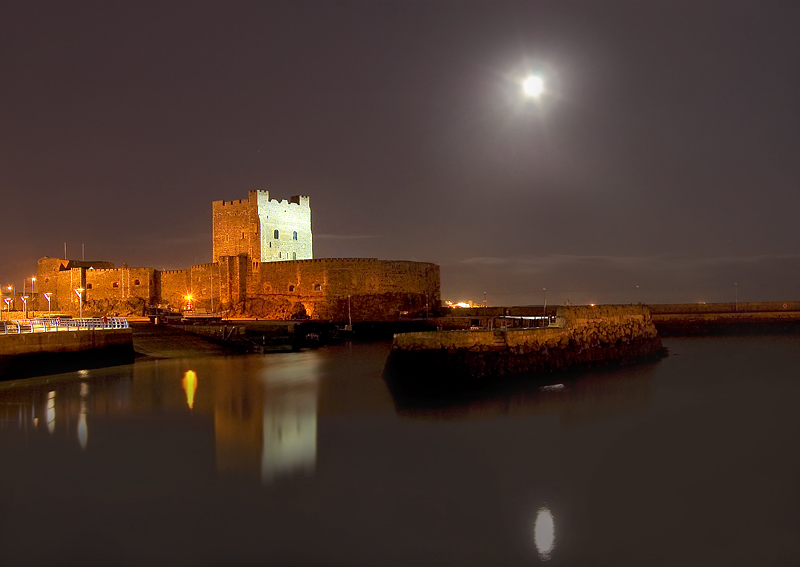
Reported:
(581, 337)
(35, 354)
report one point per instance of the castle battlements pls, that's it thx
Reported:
(262, 266)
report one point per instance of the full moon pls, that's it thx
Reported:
(533, 86)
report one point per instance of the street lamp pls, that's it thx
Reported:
(47, 296)
(24, 299)
(79, 292)
(637, 294)
(33, 296)
(13, 291)
(8, 301)
(544, 302)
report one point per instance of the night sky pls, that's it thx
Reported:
(663, 152)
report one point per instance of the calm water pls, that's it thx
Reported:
(306, 459)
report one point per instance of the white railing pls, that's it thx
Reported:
(46, 325)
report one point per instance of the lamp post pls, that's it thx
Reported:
(544, 302)
(8, 301)
(79, 292)
(24, 299)
(13, 291)
(33, 297)
(47, 296)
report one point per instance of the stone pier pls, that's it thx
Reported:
(581, 337)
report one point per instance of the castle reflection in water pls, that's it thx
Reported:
(264, 423)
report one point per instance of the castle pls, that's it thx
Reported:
(262, 266)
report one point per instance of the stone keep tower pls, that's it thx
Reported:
(266, 230)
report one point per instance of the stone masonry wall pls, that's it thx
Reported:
(582, 326)
(248, 226)
(581, 337)
(174, 285)
(235, 229)
(292, 221)
(379, 290)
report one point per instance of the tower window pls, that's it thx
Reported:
(317, 287)
(291, 288)
(294, 235)
(279, 254)
(88, 286)
(275, 234)
(115, 284)
(135, 282)
(294, 255)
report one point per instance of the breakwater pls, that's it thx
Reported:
(581, 337)
(35, 354)
(670, 319)
(726, 318)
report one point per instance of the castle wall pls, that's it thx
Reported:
(236, 229)
(120, 284)
(248, 226)
(175, 286)
(378, 290)
(262, 266)
(65, 300)
(292, 221)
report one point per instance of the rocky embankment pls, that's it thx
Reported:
(582, 337)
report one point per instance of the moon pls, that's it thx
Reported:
(533, 86)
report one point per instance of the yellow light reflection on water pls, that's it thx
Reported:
(544, 533)
(190, 385)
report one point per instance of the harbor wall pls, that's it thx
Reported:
(582, 336)
(31, 354)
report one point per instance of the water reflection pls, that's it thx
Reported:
(83, 432)
(544, 533)
(575, 398)
(267, 426)
(51, 411)
(190, 385)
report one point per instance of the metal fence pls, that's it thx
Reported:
(46, 325)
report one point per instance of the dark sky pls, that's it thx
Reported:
(662, 154)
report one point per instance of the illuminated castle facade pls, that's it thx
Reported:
(265, 229)
(262, 266)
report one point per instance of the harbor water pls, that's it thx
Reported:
(309, 458)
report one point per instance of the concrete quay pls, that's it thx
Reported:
(35, 354)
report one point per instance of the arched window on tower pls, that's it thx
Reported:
(276, 234)
(294, 235)
(294, 255)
